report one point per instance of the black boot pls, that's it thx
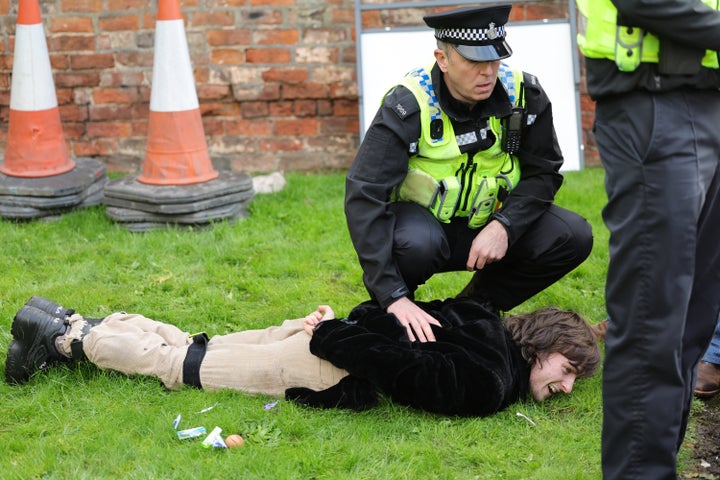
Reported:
(49, 306)
(33, 347)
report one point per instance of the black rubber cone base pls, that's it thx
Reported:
(28, 198)
(140, 207)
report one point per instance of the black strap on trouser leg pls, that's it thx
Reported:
(193, 359)
(76, 347)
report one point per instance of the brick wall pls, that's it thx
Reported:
(276, 79)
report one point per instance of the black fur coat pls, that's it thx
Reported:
(473, 369)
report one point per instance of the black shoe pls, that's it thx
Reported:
(33, 347)
(49, 306)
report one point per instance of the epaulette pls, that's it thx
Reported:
(401, 101)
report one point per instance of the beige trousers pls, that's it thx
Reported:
(255, 361)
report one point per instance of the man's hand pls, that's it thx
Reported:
(414, 319)
(323, 312)
(490, 245)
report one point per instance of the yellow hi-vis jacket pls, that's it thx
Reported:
(450, 183)
(600, 36)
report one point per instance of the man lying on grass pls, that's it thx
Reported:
(479, 364)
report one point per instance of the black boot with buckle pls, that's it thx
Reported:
(44, 333)
(33, 346)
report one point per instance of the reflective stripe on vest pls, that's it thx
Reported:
(446, 181)
(599, 36)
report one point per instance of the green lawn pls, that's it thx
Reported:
(292, 253)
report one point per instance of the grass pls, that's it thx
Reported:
(292, 253)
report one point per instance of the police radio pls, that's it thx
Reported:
(512, 131)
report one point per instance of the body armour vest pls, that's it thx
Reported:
(444, 180)
(603, 35)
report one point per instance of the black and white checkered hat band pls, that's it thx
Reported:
(471, 34)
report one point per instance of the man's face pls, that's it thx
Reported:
(468, 81)
(554, 374)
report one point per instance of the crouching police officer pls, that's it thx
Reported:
(458, 171)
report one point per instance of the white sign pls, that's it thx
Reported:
(543, 49)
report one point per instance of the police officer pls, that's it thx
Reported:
(458, 171)
(653, 71)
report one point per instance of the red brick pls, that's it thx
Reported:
(89, 79)
(343, 16)
(100, 113)
(73, 130)
(305, 108)
(227, 56)
(254, 109)
(263, 17)
(71, 24)
(281, 109)
(220, 109)
(338, 125)
(270, 93)
(247, 127)
(325, 107)
(305, 90)
(346, 107)
(59, 62)
(73, 113)
(285, 75)
(128, 5)
(123, 79)
(267, 55)
(83, 6)
(119, 22)
(92, 61)
(108, 129)
(66, 43)
(274, 37)
(64, 95)
(213, 92)
(213, 126)
(224, 18)
(231, 37)
(139, 128)
(546, 10)
(274, 3)
(304, 126)
(115, 95)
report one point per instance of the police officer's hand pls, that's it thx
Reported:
(490, 245)
(414, 319)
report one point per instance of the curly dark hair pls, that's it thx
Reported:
(553, 330)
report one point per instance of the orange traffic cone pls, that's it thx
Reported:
(36, 144)
(177, 152)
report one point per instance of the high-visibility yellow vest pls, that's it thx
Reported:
(600, 36)
(450, 183)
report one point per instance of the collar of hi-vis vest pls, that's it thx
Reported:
(497, 105)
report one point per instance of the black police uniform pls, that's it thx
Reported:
(659, 140)
(400, 245)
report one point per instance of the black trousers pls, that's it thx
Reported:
(557, 242)
(661, 154)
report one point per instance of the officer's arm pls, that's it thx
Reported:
(691, 23)
(380, 165)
